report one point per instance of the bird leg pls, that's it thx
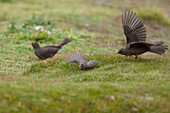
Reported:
(131, 56)
(128, 56)
(139, 57)
(37, 58)
(136, 56)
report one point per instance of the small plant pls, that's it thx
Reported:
(12, 28)
(153, 14)
(40, 29)
(30, 24)
(37, 21)
(36, 36)
(27, 29)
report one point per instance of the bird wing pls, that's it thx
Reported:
(133, 27)
(47, 51)
(49, 47)
(91, 64)
(77, 57)
(135, 44)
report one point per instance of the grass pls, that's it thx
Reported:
(154, 14)
(109, 69)
(83, 97)
(119, 84)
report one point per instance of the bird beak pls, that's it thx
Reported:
(30, 43)
(116, 53)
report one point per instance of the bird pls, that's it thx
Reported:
(135, 33)
(84, 62)
(47, 52)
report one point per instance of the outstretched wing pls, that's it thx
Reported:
(77, 57)
(133, 27)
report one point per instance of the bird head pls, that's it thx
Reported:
(121, 51)
(35, 45)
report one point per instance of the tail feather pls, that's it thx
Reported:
(158, 48)
(65, 41)
(158, 43)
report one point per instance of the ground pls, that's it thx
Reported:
(119, 84)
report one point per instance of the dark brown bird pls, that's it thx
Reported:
(135, 33)
(84, 62)
(48, 51)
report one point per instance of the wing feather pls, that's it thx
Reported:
(141, 43)
(77, 58)
(133, 27)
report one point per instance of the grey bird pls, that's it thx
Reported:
(135, 33)
(84, 62)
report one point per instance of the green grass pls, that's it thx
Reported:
(154, 14)
(52, 96)
(109, 69)
(118, 85)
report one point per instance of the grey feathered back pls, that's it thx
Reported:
(84, 62)
(77, 57)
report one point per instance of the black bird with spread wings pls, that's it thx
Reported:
(135, 33)
(48, 51)
(84, 62)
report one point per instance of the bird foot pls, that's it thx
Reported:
(47, 59)
(131, 56)
(37, 58)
